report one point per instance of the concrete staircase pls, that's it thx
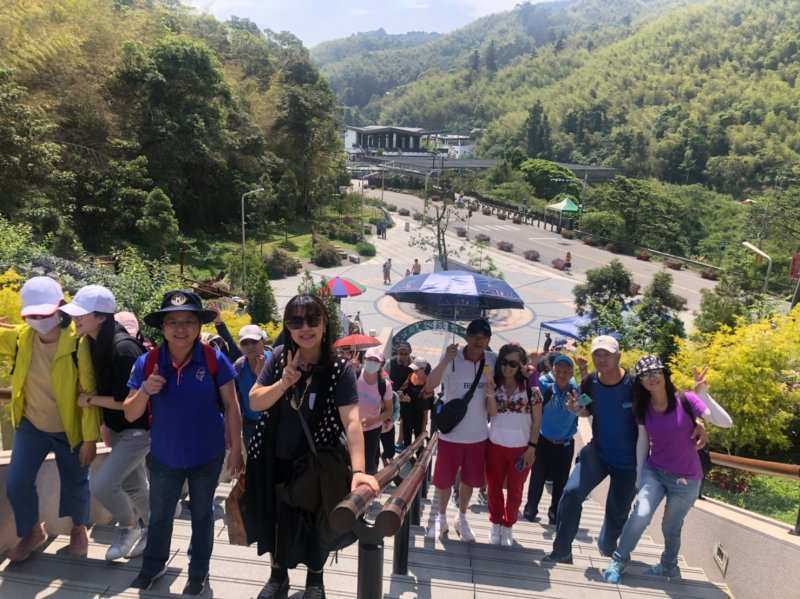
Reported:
(451, 570)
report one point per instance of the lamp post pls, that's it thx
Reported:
(244, 262)
(763, 254)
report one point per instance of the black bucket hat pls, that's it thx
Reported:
(180, 301)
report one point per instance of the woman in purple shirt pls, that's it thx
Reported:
(666, 459)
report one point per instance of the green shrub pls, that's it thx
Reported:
(365, 249)
(404, 212)
(418, 216)
(281, 264)
(391, 207)
(325, 255)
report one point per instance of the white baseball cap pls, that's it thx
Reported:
(92, 298)
(41, 296)
(419, 364)
(252, 332)
(606, 342)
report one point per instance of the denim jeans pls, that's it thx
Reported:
(657, 484)
(30, 448)
(120, 483)
(165, 490)
(589, 472)
(553, 461)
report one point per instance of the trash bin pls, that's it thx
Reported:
(407, 227)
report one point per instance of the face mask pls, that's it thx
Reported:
(44, 325)
(371, 366)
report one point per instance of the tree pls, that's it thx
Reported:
(603, 285)
(158, 226)
(261, 305)
(659, 326)
(549, 179)
(475, 62)
(490, 59)
(286, 200)
(605, 226)
(537, 132)
(307, 285)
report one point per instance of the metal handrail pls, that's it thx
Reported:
(394, 512)
(352, 507)
(756, 466)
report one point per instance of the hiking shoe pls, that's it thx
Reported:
(126, 539)
(438, 527)
(144, 582)
(551, 558)
(552, 518)
(463, 530)
(195, 585)
(482, 498)
(530, 516)
(506, 537)
(613, 573)
(314, 592)
(494, 534)
(275, 589)
(139, 547)
(660, 570)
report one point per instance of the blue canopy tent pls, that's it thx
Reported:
(569, 327)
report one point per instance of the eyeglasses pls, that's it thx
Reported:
(247, 342)
(296, 322)
(652, 374)
(181, 324)
(509, 363)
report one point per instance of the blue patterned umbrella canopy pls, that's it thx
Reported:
(456, 289)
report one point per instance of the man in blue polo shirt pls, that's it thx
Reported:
(556, 446)
(188, 389)
(611, 452)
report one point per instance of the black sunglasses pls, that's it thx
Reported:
(509, 363)
(296, 322)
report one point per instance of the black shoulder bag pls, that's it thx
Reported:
(447, 415)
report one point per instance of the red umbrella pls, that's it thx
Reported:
(358, 341)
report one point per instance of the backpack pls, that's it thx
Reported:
(395, 396)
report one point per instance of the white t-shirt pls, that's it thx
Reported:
(511, 426)
(457, 380)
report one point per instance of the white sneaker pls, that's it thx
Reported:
(437, 527)
(506, 537)
(178, 509)
(463, 529)
(138, 549)
(494, 534)
(127, 538)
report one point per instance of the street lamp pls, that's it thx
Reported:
(763, 254)
(244, 267)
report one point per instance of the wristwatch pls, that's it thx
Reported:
(532, 444)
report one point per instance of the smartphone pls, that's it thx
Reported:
(584, 400)
(520, 465)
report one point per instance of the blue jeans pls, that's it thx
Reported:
(680, 493)
(165, 490)
(30, 448)
(589, 472)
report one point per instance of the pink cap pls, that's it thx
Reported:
(374, 353)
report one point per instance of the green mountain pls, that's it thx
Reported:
(359, 44)
(499, 40)
(704, 94)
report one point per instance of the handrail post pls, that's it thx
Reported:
(416, 510)
(370, 569)
(400, 554)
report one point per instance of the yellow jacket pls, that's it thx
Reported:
(80, 424)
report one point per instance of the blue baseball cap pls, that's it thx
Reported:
(563, 359)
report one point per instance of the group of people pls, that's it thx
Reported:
(521, 418)
(174, 414)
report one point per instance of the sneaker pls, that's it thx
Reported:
(127, 539)
(659, 570)
(552, 519)
(530, 517)
(144, 582)
(551, 558)
(138, 549)
(482, 498)
(195, 585)
(494, 534)
(30, 543)
(613, 573)
(275, 589)
(463, 530)
(314, 592)
(178, 509)
(438, 527)
(506, 537)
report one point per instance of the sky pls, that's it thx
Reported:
(315, 21)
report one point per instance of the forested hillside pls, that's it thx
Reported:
(360, 43)
(127, 121)
(705, 94)
(495, 41)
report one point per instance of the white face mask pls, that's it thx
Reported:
(371, 366)
(44, 325)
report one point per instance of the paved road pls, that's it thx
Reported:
(551, 245)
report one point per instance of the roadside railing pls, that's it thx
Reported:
(754, 466)
(395, 518)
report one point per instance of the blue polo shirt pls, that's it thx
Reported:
(245, 379)
(614, 429)
(558, 423)
(187, 427)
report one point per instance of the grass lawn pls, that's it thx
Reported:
(771, 496)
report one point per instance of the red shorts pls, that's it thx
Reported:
(469, 457)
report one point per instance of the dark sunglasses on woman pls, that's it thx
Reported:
(296, 322)
(509, 363)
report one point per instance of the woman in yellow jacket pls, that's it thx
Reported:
(51, 366)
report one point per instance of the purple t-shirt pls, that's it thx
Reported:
(671, 446)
